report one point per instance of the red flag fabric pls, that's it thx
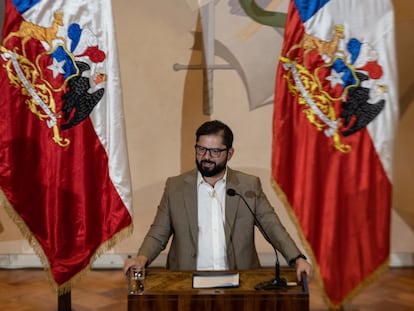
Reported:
(334, 122)
(64, 173)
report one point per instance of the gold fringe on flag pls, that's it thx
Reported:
(27, 234)
(356, 290)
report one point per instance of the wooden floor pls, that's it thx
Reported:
(105, 290)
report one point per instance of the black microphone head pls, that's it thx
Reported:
(231, 192)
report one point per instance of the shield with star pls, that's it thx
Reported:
(57, 67)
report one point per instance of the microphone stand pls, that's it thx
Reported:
(277, 282)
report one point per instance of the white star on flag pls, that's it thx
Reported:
(57, 67)
(335, 78)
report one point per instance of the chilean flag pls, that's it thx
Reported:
(335, 116)
(64, 172)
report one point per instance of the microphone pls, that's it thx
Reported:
(277, 282)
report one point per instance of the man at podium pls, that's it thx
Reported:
(210, 213)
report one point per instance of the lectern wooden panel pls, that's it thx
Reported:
(172, 291)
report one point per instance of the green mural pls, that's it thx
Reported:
(258, 14)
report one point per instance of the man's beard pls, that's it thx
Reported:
(213, 171)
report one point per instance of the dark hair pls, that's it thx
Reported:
(216, 127)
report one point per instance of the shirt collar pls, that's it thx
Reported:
(200, 179)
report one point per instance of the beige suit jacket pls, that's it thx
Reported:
(177, 217)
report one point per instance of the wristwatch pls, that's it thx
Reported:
(292, 262)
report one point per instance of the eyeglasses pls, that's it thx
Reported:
(214, 152)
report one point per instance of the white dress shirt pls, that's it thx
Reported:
(211, 253)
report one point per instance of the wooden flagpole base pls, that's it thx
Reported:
(64, 302)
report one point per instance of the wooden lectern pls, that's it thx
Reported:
(172, 291)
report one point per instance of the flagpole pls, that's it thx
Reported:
(64, 302)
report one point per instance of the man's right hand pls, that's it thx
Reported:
(139, 262)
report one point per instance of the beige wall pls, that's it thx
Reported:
(163, 108)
